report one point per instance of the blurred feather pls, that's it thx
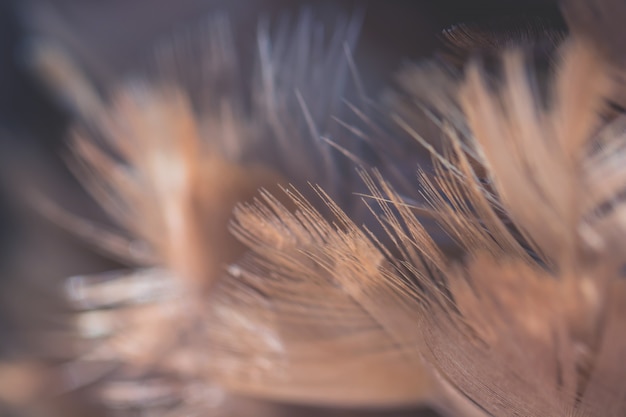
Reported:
(522, 335)
(601, 22)
(259, 284)
(527, 324)
(169, 166)
(489, 39)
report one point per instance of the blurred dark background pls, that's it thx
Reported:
(114, 35)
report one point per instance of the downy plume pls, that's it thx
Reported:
(262, 285)
(169, 165)
(530, 187)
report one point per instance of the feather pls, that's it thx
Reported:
(176, 193)
(521, 326)
(489, 39)
(600, 21)
(519, 329)
(169, 167)
(292, 293)
(169, 157)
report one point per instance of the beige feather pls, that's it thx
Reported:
(521, 326)
(171, 179)
(299, 301)
(514, 335)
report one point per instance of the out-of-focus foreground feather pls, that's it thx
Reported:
(262, 285)
(170, 165)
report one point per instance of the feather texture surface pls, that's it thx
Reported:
(170, 166)
(275, 277)
(524, 325)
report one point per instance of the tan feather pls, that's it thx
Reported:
(178, 193)
(171, 178)
(300, 302)
(517, 336)
(519, 327)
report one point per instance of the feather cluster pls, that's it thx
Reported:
(291, 255)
